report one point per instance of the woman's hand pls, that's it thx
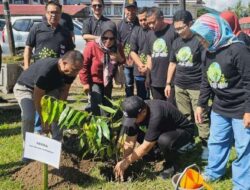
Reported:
(120, 169)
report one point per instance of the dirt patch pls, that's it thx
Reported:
(72, 172)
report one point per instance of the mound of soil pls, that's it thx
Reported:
(72, 172)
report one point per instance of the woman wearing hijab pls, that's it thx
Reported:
(233, 21)
(101, 58)
(226, 74)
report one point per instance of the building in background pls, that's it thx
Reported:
(114, 8)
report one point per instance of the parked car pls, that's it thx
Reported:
(2, 24)
(21, 26)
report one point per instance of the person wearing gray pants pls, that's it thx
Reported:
(52, 76)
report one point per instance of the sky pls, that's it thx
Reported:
(221, 5)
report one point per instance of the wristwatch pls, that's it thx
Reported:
(169, 83)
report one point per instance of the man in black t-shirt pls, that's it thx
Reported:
(125, 28)
(65, 21)
(158, 47)
(137, 43)
(162, 123)
(92, 26)
(48, 38)
(43, 77)
(185, 69)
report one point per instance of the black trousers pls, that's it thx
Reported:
(169, 142)
(159, 94)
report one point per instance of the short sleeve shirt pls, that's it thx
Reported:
(125, 29)
(137, 43)
(158, 46)
(187, 55)
(48, 42)
(44, 74)
(93, 26)
(162, 117)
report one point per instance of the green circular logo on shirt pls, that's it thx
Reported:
(214, 72)
(184, 54)
(160, 46)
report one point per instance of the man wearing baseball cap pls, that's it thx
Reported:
(125, 28)
(162, 124)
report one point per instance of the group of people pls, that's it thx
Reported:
(183, 66)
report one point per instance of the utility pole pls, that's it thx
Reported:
(183, 4)
(9, 27)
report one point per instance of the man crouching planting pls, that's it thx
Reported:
(52, 76)
(165, 125)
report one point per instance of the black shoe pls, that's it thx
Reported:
(168, 172)
(26, 160)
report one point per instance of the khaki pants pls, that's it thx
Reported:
(24, 96)
(187, 101)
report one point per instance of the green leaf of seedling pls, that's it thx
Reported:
(109, 151)
(105, 129)
(107, 109)
(75, 117)
(69, 116)
(61, 107)
(54, 105)
(63, 115)
(99, 135)
(82, 118)
(44, 111)
(82, 143)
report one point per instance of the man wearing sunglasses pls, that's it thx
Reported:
(92, 26)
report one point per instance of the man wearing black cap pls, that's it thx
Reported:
(164, 125)
(186, 68)
(125, 28)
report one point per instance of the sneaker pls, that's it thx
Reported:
(186, 148)
(204, 155)
(168, 172)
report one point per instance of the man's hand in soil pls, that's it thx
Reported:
(120, 169)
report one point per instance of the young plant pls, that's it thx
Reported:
(98, 135)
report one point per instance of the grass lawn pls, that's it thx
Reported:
(10, 154)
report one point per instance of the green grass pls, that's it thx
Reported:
(11, 148)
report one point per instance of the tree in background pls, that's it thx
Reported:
(240, 10)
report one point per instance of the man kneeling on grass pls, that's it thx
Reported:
(164, 125)
(51, 76)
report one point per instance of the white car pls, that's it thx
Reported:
(21, 26)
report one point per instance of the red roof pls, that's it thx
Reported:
(22, 10)
(244, 20)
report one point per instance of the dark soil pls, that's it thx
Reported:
(72, 172)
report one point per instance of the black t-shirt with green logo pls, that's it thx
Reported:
(49, 42)
(44, 74)
(162, 117)
(187, 55)
(137, 43)
(158, 46)
(227, 75)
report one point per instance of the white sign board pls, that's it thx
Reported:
(42, 149)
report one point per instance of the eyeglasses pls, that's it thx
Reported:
(108, 38)
(53, 13)
(97, 5)
(180, 28)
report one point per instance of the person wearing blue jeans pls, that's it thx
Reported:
(226, 75)
(129, 81)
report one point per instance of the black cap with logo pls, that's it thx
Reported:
(131, 107)
(130, 3)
